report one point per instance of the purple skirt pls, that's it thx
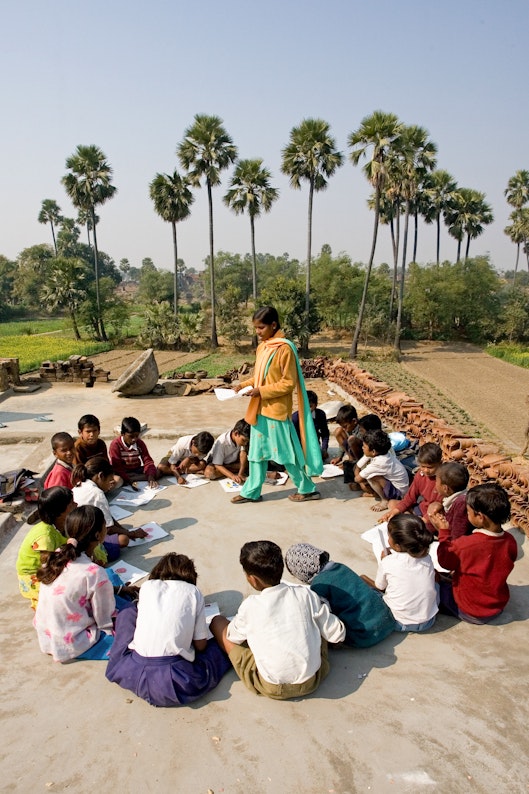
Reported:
(162, 680)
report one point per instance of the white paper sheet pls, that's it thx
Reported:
(230, 486)
(118, 512)
(128, 573)
(281, 480)
(230, 394)
(330, 470)
(154, 532)
(193, 481)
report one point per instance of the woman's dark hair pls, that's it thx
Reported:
(88, 470)
(203, 441)
(490, 499)
(53, 502)
(83, 524)
(267, 315)
(410, 533)
(175, 566)
(130, 425)
(378, 441)
(262, 558)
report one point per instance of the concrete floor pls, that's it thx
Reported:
(440, 712)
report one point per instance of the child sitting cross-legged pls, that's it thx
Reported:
(277, 641)
(62, 445)
(188, 456)
(229, 454)
(347, 434)
(451, 484)
(480, 562)
(160, 649)
(379, 473)
(130, 457)
(366, 617)
(89, 444)
(406, 574)
(422, 491)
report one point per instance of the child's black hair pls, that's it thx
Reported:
(53, 502)
(267, 315)
(410, 533)
(347, 413)
(370, 422)
(378, 441)
(242, 427)
(430, 454)
(492, 500)
(60, 438)
(88, 419)
(262, 558)
(454, 475)
(203, 441)
(83, 524)
(130, 425)
(92, 467)
(312, 397)
(175, 566)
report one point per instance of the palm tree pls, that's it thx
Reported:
(518, 231)
(88, 184)
(467, 215)
(206, 150)
(378, 132)
(172, 201)
(64, 287)
(84, 218)
(441, 190)
(417, 156)
(50, 212)
(310, 155)
(250, 190)
(517, 190)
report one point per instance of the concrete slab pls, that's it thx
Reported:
(442, 711)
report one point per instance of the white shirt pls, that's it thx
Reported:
(171, 614)
(224, 450)
(283, 626)
(387, 466)
(181, 450)
(409, 583)
(88, 493)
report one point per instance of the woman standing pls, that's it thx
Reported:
(273, 436)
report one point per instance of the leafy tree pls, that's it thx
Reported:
(378, 133)
(337, 286)
(172, 199)
(155, 285)
(250, 190)
(124, 266)
(441, 189)
(89, 184)
(33, 267)
(8, 272)
(514, 324)
(232, 324)
(467, 215)
(161, 326)
(311, 155)
(50, 212)
(115, 310)
(206, 150)
(84, 218)
(232, 271)
(288, 296)
(65, 287)
(68, 238)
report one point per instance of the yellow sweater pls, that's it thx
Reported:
(280, 381)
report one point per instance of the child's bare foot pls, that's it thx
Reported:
(369, 495)
(379, 507)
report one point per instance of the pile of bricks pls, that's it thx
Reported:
(76, 369)
(9, 373)
(484, 461)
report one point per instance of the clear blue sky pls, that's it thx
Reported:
(130, 76)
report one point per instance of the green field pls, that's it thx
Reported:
(32, 350)
(217, 363)
(513, 354)
(30, 327)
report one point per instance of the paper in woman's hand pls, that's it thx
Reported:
(231, 394)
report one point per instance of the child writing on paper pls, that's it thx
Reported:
(406, 574)
(229, 454)
(62, 445)
(129, 456)
(187, 456)
(160, 650)
(91, 482)
(277, 641)
(76, 600)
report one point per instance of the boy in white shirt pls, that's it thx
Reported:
(277, 641)
(187, 456)
(229, 454)
(379, 473)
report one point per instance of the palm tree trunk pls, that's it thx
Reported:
(438, 247)
(175, 279)
(395, 241)
(254, 274)
(53, 235)
(74, 323)
(415, 235)
(100, 324)
(88, 233)
(304, 339)
(468, 247)
(458, 250)
(402, 275)
(214, 337)
(361, 309)
(516, 264)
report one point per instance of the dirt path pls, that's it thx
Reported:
(490, 390)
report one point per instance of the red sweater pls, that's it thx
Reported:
(61, 474)
(422, 486)
(480, 564)
(457, 517)
(126, 460)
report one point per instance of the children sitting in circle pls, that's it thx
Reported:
(229, 454)
(76, 599)
(49, 533)
(379, 473)
(91, 482)
(188, 456)
(161, 651)
(277, 641)
(129, 456)
(406, 574)
(62, 445)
